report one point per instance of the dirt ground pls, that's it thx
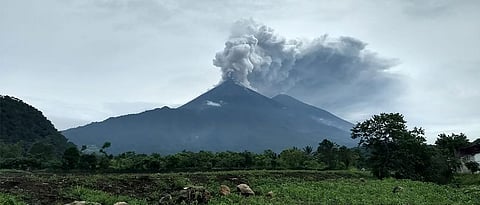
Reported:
(49, 188)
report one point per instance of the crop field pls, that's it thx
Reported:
(288, 187)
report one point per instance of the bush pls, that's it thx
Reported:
(473, 166)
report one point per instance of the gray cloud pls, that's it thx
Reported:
(329, 72)
(72, 58)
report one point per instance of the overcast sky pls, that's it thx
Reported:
(86, 60)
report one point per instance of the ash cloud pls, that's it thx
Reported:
(327, 72)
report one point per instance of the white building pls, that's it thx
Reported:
(469, 153)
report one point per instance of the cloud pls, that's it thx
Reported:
(328, 72)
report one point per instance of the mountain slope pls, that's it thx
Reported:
(300, 108)
(22, 123)
(228, 117)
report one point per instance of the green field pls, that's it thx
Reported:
(289, 187)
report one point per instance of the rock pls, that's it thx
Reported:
(245, 190)
(166, 199)
(397, 189)
(121, 203)
(269, 194)
(83, 203)
(224, 190)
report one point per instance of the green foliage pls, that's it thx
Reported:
(348, 191)
(452, 142)
(467, 179)
(88, 162)
(327, 153)
(397, 151)
(288, 186)
(10, 150)
(473, 166)
(22, 163)
(449, 144)
(6, 199)
(71, 157)
(293, 158)
(438, 169)
(308, 150)
(41, 150)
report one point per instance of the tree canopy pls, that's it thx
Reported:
(395, 150)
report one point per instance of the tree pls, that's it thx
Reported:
(327, 153)
(104, 147)
(43, 151)
(267, 160)
(448, 146)
(473, 166)
(395, 151)
(88, 161)
(293, 158)
(451, 143)
(346, 156)
(71, 157)
(10, 150)
(308, 150)
(104, 161)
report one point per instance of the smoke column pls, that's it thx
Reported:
(324, 71)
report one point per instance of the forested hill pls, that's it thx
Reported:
(23, 124)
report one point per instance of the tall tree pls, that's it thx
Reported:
(448, 145)
(327, 153)
(346, 156)
(395, 151)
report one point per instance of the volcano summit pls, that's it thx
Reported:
(227, 117)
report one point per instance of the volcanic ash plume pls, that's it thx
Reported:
(338, 69)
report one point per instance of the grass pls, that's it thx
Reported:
(289, 187)
(6, 199)
(467, 179)
(351, 191)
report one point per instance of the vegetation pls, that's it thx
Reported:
(398, 152)
(387, 150)
(27, 138)
(86, 194)
(6, 199)
(473, 166)
(288, 187)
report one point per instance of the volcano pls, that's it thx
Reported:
(228, 117)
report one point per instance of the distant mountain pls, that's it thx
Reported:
(22, 123)
(228, 117)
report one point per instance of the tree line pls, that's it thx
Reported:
(387, 148)
(327, 155)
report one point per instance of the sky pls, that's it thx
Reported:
(80, 61)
